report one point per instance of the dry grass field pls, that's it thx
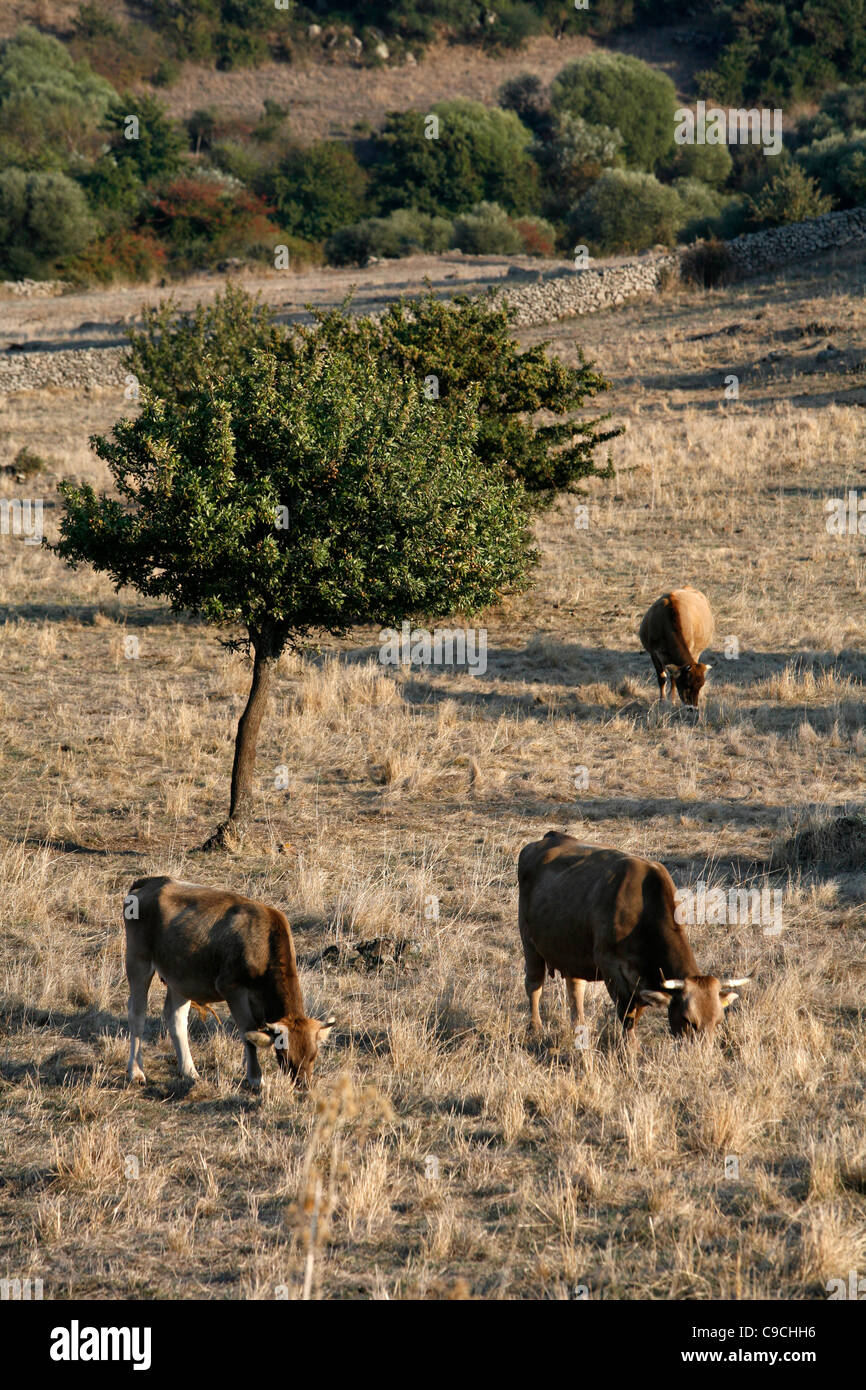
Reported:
(441, 1155)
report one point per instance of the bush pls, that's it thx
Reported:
(527, 98)
(202, 222)
(317, 189)
(627, 211)
(708, 264)
(487, 230)
(573, 157)
(480, 155)
(402, 233)
(712, 164)
(537, 235)
(790, 196)
(126, 256)
(838, 164)
(621, 92)
(50, 107)
(43, 216)
(779, 51)
(701, 207)
(158, 152)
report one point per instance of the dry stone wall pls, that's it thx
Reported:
(535, 296)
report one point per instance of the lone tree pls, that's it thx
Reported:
(309, 494)
(526, 399)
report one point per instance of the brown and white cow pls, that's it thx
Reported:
(207, 944)
(600, 914)
(675, 630)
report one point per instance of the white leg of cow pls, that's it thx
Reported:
(176, 1015)
(575, 989)
(139, 973)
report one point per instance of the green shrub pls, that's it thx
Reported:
(790, 196)
(712, 164)
(701, 208)
(627, 211)
(43, 216)
(572, 157)
(838, 165)
(625, 94)
(402, 233)
(159, 150)
(486, 230)
(317, 189)
(480, 155)
(50, 106)
(779, 51)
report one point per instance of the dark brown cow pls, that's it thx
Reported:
(207, 945)
(600, 914)
(675, 630)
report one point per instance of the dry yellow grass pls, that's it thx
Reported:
(450, 1157)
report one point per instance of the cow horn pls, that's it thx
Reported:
(673, 984)
(735, 984)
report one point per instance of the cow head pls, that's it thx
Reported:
(296, 1042)
(695, 1005)
(689, 681)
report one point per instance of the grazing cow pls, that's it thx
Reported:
(207, 944)
(675, 631)
(600, 914)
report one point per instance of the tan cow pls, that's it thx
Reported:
(206, 945)
(600, 914)
(675, 631)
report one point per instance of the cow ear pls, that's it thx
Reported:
(727, 997)
(325, 1030)
(267, 1036)
(676, 671)
(655, 998)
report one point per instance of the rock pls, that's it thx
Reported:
(382, 51)
(314, 31)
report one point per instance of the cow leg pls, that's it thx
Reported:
(660, 676)
(534, 979)
(139, 972)
(629, 1013)
(176, 1015)
(239, 1007)
(575, 989)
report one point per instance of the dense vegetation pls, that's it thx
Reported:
(97, 183)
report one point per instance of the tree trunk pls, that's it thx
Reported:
(249, 724)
